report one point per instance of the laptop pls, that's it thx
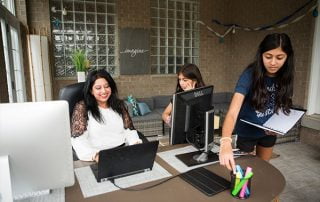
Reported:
(124, 161)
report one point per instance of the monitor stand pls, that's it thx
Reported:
(6, 193)
(205, 156)
(5, 182)
(199, 157)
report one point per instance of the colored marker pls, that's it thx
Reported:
(242, 182)
(238, 178)
(245, 186)
(239, 169)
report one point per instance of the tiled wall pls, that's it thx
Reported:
(4, 97)
(220, 62)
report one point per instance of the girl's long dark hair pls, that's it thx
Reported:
(190, 71)
(92, 106)
(284, 77)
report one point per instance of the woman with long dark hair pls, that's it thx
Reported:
(101, 120)
(189, 77)
(264, 88)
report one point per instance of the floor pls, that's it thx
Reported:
(300, 165)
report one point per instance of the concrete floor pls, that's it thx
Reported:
(300, 165)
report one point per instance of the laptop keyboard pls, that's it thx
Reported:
(206, 181)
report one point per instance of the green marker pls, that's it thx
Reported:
(242, 182)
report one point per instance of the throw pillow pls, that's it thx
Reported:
(143, 108)
(133, 101)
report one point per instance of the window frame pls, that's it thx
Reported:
(172, 23)
(106, 58)
(10, 30)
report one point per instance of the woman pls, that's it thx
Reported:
(100, 121)
(189, 77)
(264, 87)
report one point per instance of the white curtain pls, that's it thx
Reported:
(39, 68)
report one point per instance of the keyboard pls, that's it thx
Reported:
(31, 194)
(206, 181)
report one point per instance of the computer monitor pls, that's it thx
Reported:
(35, 137)
(193, 122)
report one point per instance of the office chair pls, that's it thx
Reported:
(74, 93)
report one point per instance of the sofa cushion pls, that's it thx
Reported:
(143, 108)
(148, 101)
(159, 110)
(221, 97)
(148, 117)
(161, 101)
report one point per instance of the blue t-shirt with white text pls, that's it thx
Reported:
(247, 112)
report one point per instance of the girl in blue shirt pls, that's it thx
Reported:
(264, 87)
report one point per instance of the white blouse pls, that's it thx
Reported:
(99, 136)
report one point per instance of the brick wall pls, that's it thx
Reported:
(244, 44)
(220, 63)
(214, 54)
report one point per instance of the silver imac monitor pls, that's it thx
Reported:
(35, 138)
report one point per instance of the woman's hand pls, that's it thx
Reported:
(226, 156)
(138, 141)
(96, 158)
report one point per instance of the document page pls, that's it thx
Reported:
(283, 123)
(280, 123)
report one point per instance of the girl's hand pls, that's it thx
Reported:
(191, 85)
(226, 156)
(168, 120)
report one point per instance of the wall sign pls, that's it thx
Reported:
(134, 51)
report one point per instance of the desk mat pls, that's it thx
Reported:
(172, 160)
(90, 187)
(56, 195)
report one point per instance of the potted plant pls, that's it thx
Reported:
(81, 64)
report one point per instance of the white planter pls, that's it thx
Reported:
(81, 76)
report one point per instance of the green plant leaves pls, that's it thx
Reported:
(79, 60)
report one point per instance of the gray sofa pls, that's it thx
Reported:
(151, 124)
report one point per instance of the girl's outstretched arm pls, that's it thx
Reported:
(226, 154)
(166, 115)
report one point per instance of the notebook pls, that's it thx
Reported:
(280, 123)
(124, 161)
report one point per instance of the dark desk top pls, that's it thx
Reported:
(266, 184)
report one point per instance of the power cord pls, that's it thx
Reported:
(144, 188)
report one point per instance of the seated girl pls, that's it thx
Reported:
(100, 121)
(189, 77)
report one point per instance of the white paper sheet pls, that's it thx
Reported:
(172, 160)
(90, 187)
(280, 123)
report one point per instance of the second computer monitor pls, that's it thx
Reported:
(189, 117)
